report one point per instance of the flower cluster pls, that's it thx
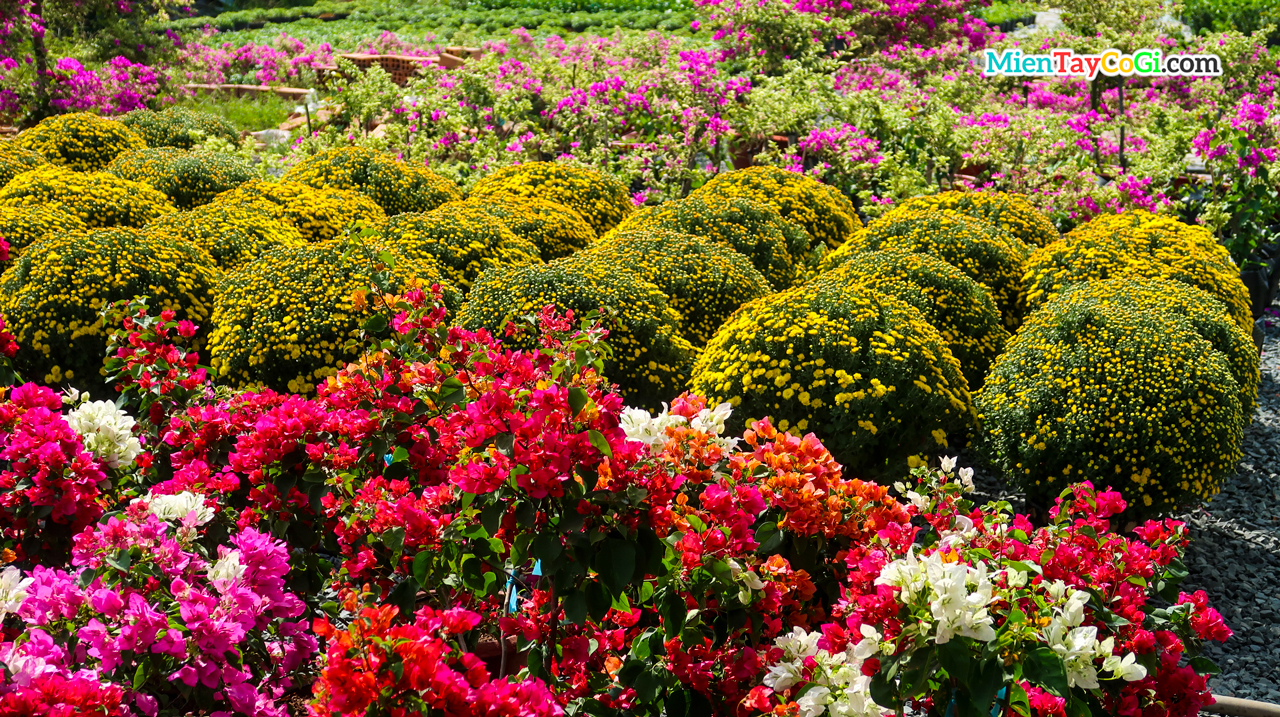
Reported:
(319, 214)
(151, 612)
(53, 294)
(960, 308)
(864, 367)
(555, 229)
(598, 198)
(1097, 386)
(1003, 615)
(178, 127)
(983, 252)
(284, 320)
(651, 357)
(1137, 245)
(776, 247)
(21, 226)
(98, 199)
(1010, 212)
(116, 87)
(396, 186)
(463, 242)
(187, 178)
(15, 160)
(233, 234)
(81, 141)
(705, 281)
(821, 210)
(106, 431)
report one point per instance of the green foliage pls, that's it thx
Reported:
(557, 230)
(704, 281)
(189, 179)
(52, 295)
(233, 235)
(1123, 393)
(15, 160)
(863, 369)
(396, 186)
(775, 246)
(179, 126)
(99, 199)
(25, 225)
(242, 114)
(463, 242)
(651, 358)
(81, 141)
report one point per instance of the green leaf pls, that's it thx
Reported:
(578, 399)
(404, 596)
(575, 607)
(506, 444)
(598, 440)
(986, 682)
(647, 686)
(769, 538)
(421, 567)
(140, 676)
(120, 561)
(491, 516)
(1077, 707)
(616, 562)
(1204, 665)
(956, 659)
(393, 538)
(399, 454)
(884, 692)
(375, 324)
(598, 601)
(547, 547)
(1044, 668)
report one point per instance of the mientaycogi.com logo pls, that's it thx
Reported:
(1066, 63)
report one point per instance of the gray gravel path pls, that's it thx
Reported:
(1234, 554)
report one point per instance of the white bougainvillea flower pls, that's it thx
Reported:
(107, 432)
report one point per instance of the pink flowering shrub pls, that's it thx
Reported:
(169, 622)
(117, 87)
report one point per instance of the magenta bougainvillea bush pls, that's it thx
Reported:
(449, 526)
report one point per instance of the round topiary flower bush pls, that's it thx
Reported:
(98, 199)
(52, 294)
(179, 127)
(826, 214)
(704, 281)
(465, 243)
(1010, 212)
(960, 308)
(81, 141)
(776, 247)
(651, 359)
(557, 230)
(15, 160)
(284, 320)
(1090, 389)
(1161, 249)
(320, 214)
(598, 198)
(862, 370)
(188, 178)
(395, 186)
(23, 226)
(233, 235)
(1176, 301)
(984, 253)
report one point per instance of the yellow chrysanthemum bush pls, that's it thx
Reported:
(651, 358)
(98, 199)
(15, 160)
(52, 294)
(320, 214)
(1205, 314)
(465, 243)
(233, 235)
(285, 319)
(960, 308)
(23, 226)
(81, 141)
(1096, 389)
(396, 187)
(983, 252)
(863, 370)
(188, 178)
(557, 230)
(179, 127)
(1010, 212)
(826, 214)
(1162, 248)
(776, 247)
(704, 281)
(600, 199)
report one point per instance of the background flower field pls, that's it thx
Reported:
(516, 357)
